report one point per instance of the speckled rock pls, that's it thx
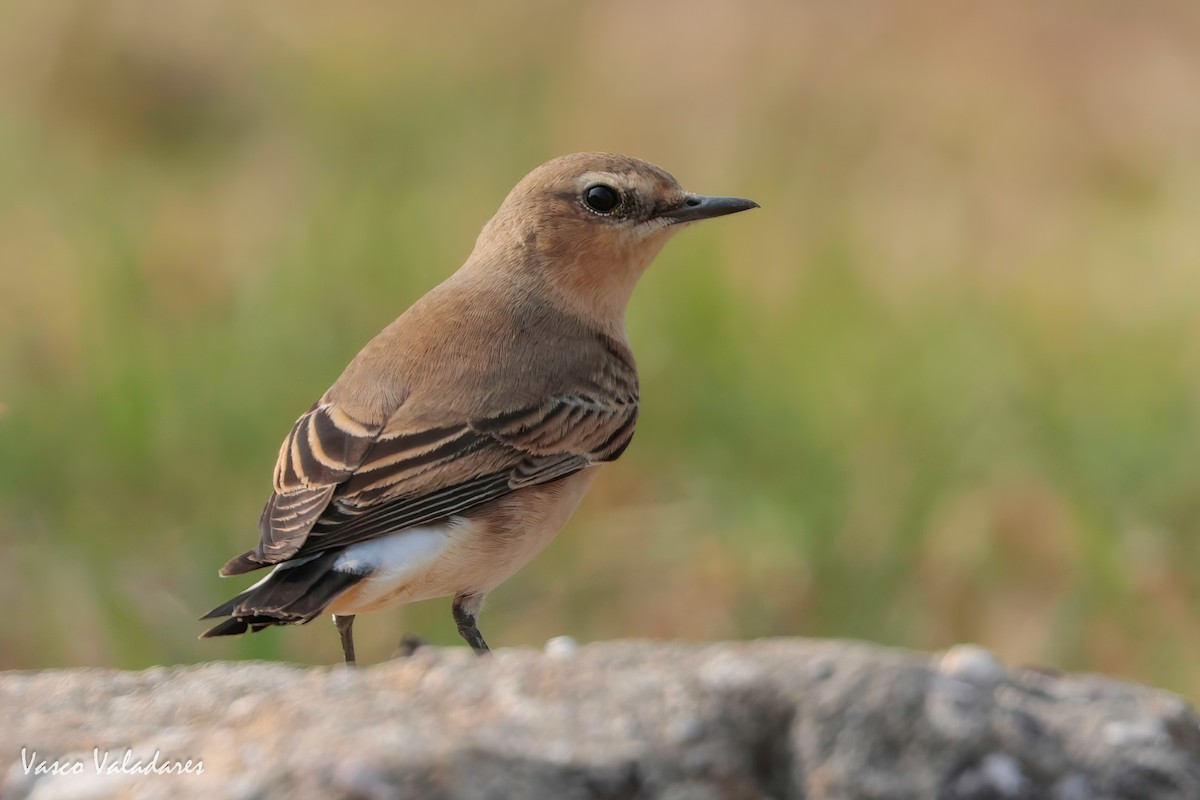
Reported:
(769, 719)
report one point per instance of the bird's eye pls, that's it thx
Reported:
(601, 199)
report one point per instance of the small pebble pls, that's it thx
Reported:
(973, 664)
(561, 647)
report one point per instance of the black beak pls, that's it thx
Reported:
(698, 206)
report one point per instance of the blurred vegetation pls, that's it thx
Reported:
(945, 386)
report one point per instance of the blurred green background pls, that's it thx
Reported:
(944, 387)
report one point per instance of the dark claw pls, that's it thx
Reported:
(466, 626)
(409, 644)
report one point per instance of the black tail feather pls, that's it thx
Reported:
(229, 627)
(226, 608)
(295, 593)
(237, 626)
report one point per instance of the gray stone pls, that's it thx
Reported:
(770, 719)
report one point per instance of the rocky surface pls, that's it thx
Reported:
(768, 719)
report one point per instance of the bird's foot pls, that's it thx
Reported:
(409, 644)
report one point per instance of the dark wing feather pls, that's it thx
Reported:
(323, 449)
(339, 481)
(483, 462)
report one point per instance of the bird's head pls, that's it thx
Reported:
(587, 225)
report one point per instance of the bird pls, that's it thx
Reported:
(457, 443)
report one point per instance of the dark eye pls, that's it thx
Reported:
(601, 198)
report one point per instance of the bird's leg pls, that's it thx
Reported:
(345, 629)
(466, 606)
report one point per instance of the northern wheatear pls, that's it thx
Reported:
(457, 443)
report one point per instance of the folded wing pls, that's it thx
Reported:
(339, 481)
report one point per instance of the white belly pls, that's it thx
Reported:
(466, 555)
(391, 563)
